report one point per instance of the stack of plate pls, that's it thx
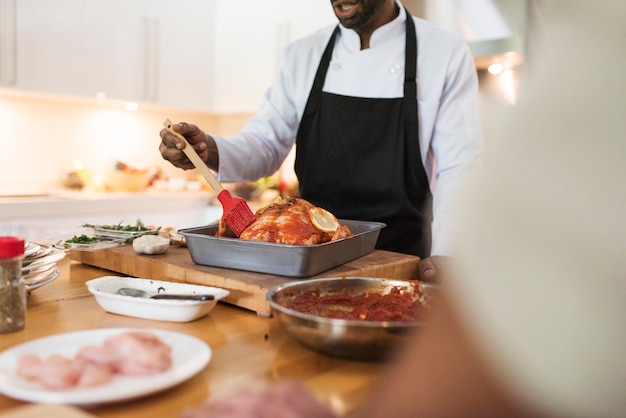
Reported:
(39, 266)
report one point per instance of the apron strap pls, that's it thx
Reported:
(410, 59)
(320, 76)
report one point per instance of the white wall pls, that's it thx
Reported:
(42, 136)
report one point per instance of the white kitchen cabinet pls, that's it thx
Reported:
(121, 49)
(249, 38)
(218, 56)
(152, 51)
(185, 57)
(244, 60)
(136, 50)
(42, 45)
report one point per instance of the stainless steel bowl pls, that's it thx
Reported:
(353, 339)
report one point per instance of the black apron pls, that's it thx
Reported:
(359, 157)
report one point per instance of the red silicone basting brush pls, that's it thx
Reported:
(237, 213)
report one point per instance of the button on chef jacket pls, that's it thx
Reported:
(450, 136)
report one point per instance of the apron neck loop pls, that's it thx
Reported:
(410, 59)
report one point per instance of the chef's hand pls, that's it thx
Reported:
(171, 147)
(432, 269)
(283, 400)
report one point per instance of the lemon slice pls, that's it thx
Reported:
(323, 220)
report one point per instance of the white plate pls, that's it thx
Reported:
(44, 250)
(92, 246)
(30, 248)
(42, 279)
(105, 288)
(189, 356)
(28, 272)
(55, 255)
(126, 235)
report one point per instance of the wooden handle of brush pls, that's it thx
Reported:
(195, 159)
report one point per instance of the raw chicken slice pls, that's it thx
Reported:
(28, 366)
(93, 374)
(139, 353)
(130, 353)
(55, 373)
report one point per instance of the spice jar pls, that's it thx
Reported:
(12, 288)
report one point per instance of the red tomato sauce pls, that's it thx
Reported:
(393, 306)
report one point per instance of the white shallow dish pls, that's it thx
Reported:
(189, 356)
(105, 290)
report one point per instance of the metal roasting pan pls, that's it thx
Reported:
(280, 259)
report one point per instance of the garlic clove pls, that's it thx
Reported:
(151, 244)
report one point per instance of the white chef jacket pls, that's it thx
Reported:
(449, 129)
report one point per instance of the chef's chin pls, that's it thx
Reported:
(355, 22)
(359, 14)
(351, 21)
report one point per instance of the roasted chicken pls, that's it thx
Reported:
(288, 221)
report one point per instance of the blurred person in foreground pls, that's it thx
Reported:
(533, 322)
(368, 145)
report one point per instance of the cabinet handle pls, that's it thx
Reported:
(150, 51)
(156, 32)
(8, 42)
(145, 36)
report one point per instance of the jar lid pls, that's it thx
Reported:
(11, 247)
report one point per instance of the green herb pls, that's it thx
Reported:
(82, 239)
(138, 227)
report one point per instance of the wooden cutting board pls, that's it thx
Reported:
(247, 289)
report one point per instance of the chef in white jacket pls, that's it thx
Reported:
(382, 110)
(534, 323)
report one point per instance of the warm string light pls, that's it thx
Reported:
(505, 81)
(509, 85)
(495, 69)
(503, 71)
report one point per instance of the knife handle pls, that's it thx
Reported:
(183, 297)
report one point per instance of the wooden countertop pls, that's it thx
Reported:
(247, 289)
(249, 351)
